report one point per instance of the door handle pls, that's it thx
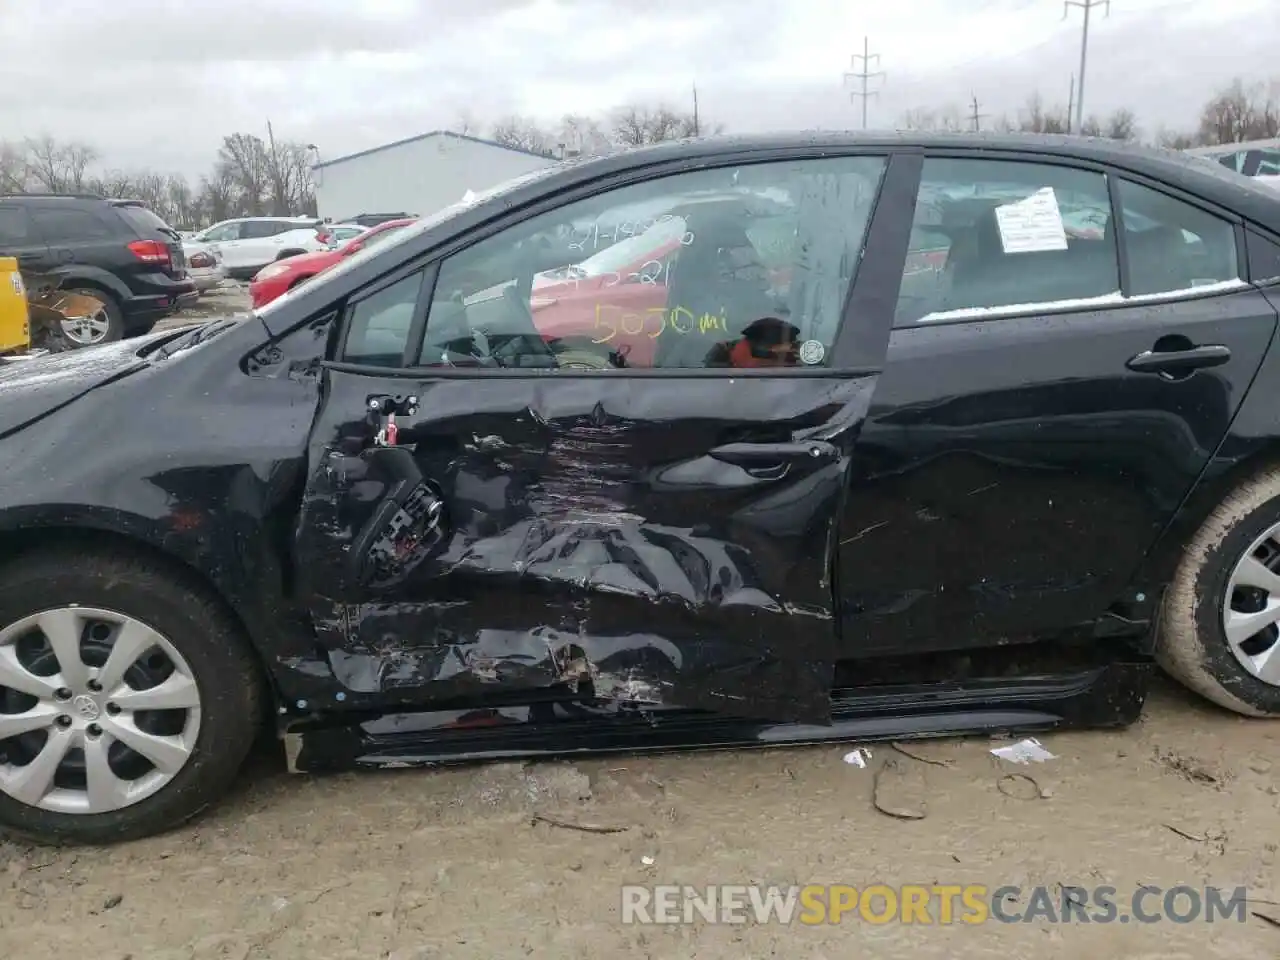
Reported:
(1175, 364)
(771, 461)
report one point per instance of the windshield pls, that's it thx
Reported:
(415, 230)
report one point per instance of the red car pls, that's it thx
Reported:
(275, 278)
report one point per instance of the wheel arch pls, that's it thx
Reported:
(98, 279)
(1224, 474)
(19, 541)
(285, 254)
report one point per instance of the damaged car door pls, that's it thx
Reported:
(634, 502)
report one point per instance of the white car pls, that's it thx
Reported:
(247, 244)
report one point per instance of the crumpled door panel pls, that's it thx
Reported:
(662, 541)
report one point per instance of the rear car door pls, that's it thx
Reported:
(1070, 347)
(20, 239)
(77, 233)
(256, 246)
(554, 513)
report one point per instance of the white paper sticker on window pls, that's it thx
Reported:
(1033, 224)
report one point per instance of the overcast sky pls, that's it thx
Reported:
(157, 82)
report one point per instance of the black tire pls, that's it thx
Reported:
(115, 316)
(223, 666)
(1192, 645)
(301, 280)
(285, 254)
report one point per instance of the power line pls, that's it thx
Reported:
(975, 117)
(1087, 6)
(865, 74)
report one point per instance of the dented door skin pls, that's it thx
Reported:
(644, 535)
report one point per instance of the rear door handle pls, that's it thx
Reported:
(1174, 363)
(773, 460)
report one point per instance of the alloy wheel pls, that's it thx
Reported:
(98, 711)
(87, 331)
(1251, 614)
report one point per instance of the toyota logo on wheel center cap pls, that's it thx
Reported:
(86, 706)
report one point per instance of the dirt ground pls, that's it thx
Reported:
(424, 864)
(452, 863)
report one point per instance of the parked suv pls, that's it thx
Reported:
(247, 244)
(115, 250)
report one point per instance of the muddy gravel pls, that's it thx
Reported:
(491, 861)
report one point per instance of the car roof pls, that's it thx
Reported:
(1211, 181)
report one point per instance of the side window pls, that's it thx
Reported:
(258, 229)
(13, 227)
(999, 233)
(1172, 245)
(378, 325)
(228, 231)
(742, 266)
(67, 224)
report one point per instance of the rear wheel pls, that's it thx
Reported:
(1220, 630)
(128, 699)
(104, 326)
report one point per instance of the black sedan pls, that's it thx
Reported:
(812, 438)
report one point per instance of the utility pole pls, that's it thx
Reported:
(974, 116)
(1087, 6)
(276, 185)
(865, 74)
(696, 128)
(1071, 99)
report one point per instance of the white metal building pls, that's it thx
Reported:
(417, 176)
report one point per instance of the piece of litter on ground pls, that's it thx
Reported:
(858, 758)
(647, 861)
(1020, 787)
(1029, 750)
(900, 790)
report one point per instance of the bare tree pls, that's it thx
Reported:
(948, 118)
(523, 133)
(1240, 112)
(57, 167)
(117, 184)
(246, 158)
(217, 195)
(1035, 117)
(583, 136)
(634, 125)
(13, 168)
(289, 174)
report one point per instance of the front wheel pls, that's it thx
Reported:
(1220, 629)
(128, 698)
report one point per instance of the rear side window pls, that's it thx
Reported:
(378, 325)
(993, 234)
(69, 224)
(256, 229)
(143, 221)
(13, 226)
(1173, 246)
